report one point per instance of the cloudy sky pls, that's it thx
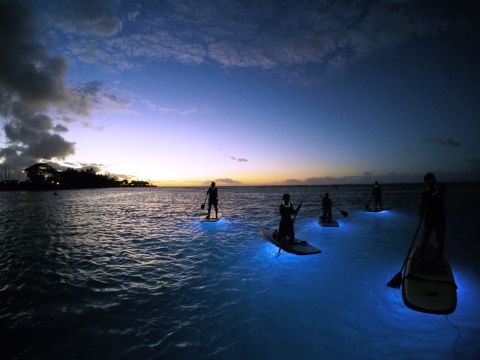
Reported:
(297, 92)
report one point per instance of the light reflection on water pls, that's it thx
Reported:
(134, 273)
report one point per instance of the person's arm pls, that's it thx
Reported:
(298, 208)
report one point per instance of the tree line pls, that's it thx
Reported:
(42, 176)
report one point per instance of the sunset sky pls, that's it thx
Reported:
(266, 92)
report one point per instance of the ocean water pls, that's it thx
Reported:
(132, 273)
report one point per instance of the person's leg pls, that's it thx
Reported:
(291, 233)
(324, 215)
(329, 215)
(440, 238)
(427, 233)
(209, 209)
(281, 232)
(216, 210)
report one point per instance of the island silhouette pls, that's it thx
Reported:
(42, 176)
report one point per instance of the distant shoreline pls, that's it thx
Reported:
(4, 187)
(21, 186)
(315, 185)
(44, 177)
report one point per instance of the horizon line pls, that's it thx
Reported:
(306, 185)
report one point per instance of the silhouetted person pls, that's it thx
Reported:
(433, 210)
(377, 196)
(212, 199)
(327, 208)
(286, 233)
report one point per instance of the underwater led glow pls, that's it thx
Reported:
(385, 212)
(314, 225)
(467, 289)
(269, 253)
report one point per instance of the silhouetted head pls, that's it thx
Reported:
(327, 195)
(429, 178)
(212, 184)
(286, 197)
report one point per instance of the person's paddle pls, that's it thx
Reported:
(367, 205)
(343, 212)
(293, 221)
(396, 281)
(203, 205)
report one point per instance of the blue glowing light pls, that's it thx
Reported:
(380, 213)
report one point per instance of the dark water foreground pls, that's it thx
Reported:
(132, 273)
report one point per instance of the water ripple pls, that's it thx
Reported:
(132, 273)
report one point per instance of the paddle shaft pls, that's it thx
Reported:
(343, 212)
(411, 245)
(293, 221)
(203, 205)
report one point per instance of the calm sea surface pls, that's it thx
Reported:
(132, 273)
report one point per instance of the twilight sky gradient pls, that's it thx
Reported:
(266, 92)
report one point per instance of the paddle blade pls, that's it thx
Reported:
(202, 206)
(344, 213)
(396, 281)
(280, 247)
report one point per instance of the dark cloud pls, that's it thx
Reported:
(234, 158)
(276, 34)
(450, 142)
(29, 75)
(60, 128)
(93, 95)
(32, 81)
(84, 98)
(366, 178)
(49, 146)
(226, 181)
(89, 17)
(66, 119)
(292, 182)
(470, 173)
(89, 125)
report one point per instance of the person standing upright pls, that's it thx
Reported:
(286, 232)
(377, 197)
(212, 193)
(432, 209)
(327, 209)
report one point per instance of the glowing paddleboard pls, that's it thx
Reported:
(212, 218)
(327, 224)
(373, 210)
(429, 287)
(297, 248)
